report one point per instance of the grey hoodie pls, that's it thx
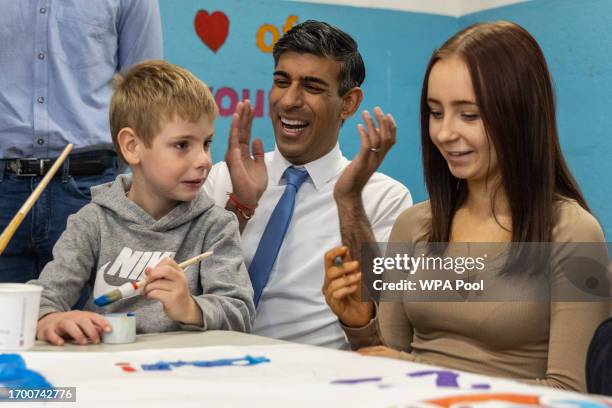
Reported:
(111, 240)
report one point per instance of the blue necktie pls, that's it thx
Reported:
(273, 235)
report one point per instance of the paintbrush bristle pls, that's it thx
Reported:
(108, 298)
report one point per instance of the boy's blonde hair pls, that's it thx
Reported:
(154, 91)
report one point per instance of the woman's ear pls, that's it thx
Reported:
(350, 102)
(130, 146)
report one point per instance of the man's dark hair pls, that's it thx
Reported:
(325, 40)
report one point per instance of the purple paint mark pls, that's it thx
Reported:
(481, 386)
(168, 365)
(444, 378)
(357, 380)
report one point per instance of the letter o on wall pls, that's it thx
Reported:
(221, 95)
(261, 37)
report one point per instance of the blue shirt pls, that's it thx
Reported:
(57, 61)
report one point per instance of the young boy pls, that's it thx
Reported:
(162, 124)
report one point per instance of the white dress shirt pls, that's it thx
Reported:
(292, 306)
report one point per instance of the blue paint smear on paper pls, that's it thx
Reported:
(224, 362)
(14, 374)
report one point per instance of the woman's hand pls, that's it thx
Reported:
(379, 351)
(341, 289)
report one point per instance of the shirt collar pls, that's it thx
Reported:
(320, 170)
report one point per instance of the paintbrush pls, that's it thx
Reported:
(10, 229)
(129, 288)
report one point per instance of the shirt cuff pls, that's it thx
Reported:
(366, 331)
(364, 336)
(43, 311)
(202, 304)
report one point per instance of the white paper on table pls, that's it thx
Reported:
(296, 376)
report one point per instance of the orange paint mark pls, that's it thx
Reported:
(289, 23)
(126, 367)
(447, 402)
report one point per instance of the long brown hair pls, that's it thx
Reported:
(515, 96)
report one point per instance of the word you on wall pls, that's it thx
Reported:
(227, 98)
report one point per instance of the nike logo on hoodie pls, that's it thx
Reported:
(129, 265)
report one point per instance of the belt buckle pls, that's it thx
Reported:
(20, 172)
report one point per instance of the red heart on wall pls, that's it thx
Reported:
(212, 28)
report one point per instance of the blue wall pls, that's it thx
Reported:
(576, 38)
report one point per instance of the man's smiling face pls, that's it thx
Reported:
(305, 107)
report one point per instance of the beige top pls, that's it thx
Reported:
(539, 342)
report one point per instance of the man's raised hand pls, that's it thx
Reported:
(247, 168)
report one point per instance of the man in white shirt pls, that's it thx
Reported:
(318, 71)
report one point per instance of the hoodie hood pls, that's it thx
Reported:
(112, 197)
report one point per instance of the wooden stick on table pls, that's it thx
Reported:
(10, 229)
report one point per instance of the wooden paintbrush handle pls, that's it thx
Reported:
(195, 259)
(10, 229)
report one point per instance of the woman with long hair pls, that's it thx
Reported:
(495, 173)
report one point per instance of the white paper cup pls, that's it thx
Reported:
(124, 328)
(19, 303)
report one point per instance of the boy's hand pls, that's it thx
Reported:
(168, 284)
(247, 171)
(76, 324)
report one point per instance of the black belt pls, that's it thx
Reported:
(80, 164)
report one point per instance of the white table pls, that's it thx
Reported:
(293, 375)
(169, 340)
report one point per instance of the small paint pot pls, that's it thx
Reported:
(123, 328)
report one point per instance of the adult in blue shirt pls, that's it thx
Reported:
(57, 59)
